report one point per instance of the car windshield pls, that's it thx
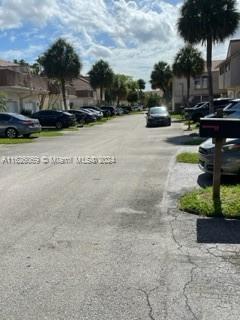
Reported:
(233, 105)
(158, 110)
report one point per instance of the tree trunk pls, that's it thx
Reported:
(217, 169)
(101, 94)
(209, 68)
(64, 93)
(188, 89)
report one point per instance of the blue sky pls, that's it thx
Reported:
(130, 35)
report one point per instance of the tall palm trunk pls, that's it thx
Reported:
(209, 68)
(188, 97)
(101, 94)
(188, 89)
(63, 86)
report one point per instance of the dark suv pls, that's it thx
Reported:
(200, 111)
(54, 118)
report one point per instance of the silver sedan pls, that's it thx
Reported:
(230, 157)
(13, 125)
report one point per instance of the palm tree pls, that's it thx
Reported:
(101, 76)
(61, 62)
(120, 87)
(188, 63)
(208, 21)
(141, 84)
(161, 78)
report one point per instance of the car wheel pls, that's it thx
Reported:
(26, 135)
(59, 125)
(81, 123)
(11, 133)
(169, 123)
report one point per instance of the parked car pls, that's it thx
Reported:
(82, 117)
(231, 108)
(158, 115)
(135, 108)
(188, 111)
(54, 118)
(203, 110)
(99, 114)
(119, 111)
(97, 111)
(125, 110)
(13, 125)
(111, 110)
(230, 157)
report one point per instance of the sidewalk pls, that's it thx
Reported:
(210, 249)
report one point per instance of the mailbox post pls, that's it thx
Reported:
(219, 129)
(217, 168)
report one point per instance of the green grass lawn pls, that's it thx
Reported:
(102, 121)
(177, 116)
(188, 157)
(200, 202)
(71, 129)
(57, 133)
(16, 140)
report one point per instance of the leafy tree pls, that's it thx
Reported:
(152, 100)
(61, 62)
(188, 63)
(141, 84)
(132, 97)
(36, 68)
(208, 21)
(161, 78)
(21, 62)
(120, 87)
(101, 76)
(132, 84)
(3, 102)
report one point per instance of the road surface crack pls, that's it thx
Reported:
(224, 258)
(147, 296)
(179, 245)
(186, 286)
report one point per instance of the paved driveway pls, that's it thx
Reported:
(106, 242)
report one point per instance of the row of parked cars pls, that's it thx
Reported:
(230, 108)
(13, 125)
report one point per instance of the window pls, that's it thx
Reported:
(197, 83)
(205, 82)
(4, 117)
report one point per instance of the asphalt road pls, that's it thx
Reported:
(106, 241)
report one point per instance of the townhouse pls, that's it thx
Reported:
(25, 91)
(229, 77)
(198, 87)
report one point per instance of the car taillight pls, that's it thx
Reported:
(27, 122)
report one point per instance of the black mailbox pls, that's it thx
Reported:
(219, 128)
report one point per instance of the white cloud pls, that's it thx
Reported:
(131, 35)
(13, 13)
